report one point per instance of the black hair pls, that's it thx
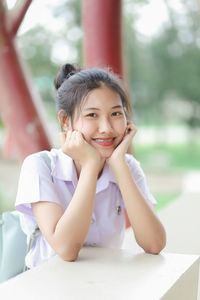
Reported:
(73, 85)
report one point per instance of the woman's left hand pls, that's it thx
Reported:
(120, 151)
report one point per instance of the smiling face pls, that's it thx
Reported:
(102, 120)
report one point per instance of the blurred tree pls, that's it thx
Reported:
(161, 70)
(141, 71)
(177, 54)
(15, 90)
(38, 57)
(45, 50)
(166, 67)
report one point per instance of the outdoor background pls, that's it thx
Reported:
(161, 45)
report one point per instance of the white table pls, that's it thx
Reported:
(106, 274)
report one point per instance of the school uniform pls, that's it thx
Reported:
(57, 184)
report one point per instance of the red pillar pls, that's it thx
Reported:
(102, 34)
(17, 109)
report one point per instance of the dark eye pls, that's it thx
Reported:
(91, 115)
(117, 113)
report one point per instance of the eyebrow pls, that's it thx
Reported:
(95, 108)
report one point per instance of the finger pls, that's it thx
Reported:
(131, 125)
(129, 136)
(131, 129)
(79, 135)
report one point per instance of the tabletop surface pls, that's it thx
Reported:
(101, 273)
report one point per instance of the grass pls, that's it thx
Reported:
(177, 157)
(165, 161)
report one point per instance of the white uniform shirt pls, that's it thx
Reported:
(38, 183)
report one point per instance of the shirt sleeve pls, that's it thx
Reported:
(35, 184)
(140, 179)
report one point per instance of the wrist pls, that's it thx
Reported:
(116, 162)
(92, 166)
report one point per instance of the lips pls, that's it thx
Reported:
(105, 142)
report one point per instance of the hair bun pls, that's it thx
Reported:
(64, 73)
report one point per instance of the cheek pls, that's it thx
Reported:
(120, 127)
(85, 128)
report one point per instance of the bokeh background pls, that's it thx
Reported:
(161, 53)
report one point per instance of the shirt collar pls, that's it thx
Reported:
(106, 177)
(65, 170)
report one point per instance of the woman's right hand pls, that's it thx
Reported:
(74, 145)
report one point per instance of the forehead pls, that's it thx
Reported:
(102, 97)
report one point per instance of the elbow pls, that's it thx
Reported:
(69, 257)
(154, 249)
(156, 246)
(69, 254)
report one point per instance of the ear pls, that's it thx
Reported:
(63, 120)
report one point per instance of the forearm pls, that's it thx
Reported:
(72, 227)
(147, 228)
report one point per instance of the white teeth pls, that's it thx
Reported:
(102, 140)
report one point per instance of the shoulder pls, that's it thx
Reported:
(132, 161)
(39, 160)
(134, 166)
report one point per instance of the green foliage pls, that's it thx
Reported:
(38, 59)
(168, 164)
(169, 157)
(165, 68)
(38, 44)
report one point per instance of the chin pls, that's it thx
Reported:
(106, 154)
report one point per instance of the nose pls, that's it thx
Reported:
(105, 126)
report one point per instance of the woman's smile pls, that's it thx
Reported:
(105, 142)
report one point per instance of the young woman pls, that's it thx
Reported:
(92, 182)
